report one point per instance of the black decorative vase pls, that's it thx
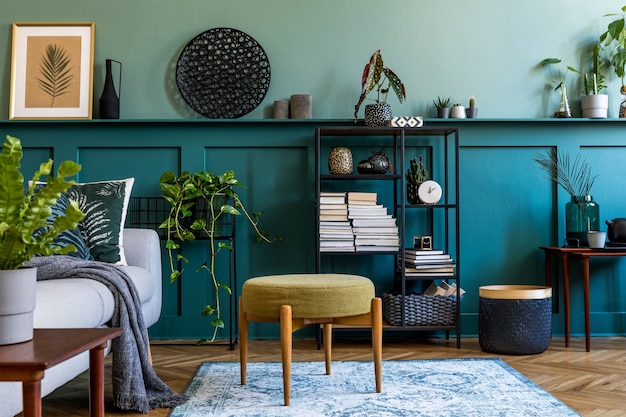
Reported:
(109, 100)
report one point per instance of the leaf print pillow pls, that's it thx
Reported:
(105, 205)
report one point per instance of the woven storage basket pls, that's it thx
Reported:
(420, 310)
(514, 319)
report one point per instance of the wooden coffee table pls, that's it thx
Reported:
(28, 361)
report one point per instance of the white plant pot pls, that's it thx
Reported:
(595, 106)
(457, 112)
(17, 304)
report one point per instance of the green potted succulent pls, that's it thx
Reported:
(594, 103)
(415, 175)
(443, 107)
(199, 204)
(27, 230)
(614, 40)
(375, 75)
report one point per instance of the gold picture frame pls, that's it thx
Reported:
(52, 71)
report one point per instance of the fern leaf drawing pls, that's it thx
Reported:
(56, 72)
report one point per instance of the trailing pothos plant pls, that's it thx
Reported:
(25, 226)
(375, 74)
(217, 194)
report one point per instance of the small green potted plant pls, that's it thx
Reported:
(415, 175)
(614, 40)
(215, 196)
(472, 110)
(375, 75)
(594, 104)
(443, 107)
(27, 230)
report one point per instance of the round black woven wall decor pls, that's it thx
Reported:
(223, 73)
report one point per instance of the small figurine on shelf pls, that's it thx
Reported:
(415, 175)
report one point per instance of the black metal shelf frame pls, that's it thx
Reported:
(397, 138)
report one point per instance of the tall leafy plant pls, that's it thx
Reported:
(217, 193)
(25, 228)
(614, 39)
(375, 75)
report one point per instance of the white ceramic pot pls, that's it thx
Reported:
(595, 106)
(17, 304)
(457, 112)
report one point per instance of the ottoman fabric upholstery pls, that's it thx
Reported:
(310, 295)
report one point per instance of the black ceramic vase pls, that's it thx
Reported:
(109, 100)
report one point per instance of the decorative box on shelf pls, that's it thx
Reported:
(420, 309)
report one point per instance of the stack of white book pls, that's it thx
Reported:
(335, 229)
(418, 262)
(374, 229)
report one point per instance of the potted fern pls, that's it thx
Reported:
(199, 204)
(27, 230)
(375, 75)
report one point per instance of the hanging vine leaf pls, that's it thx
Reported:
(56, 72)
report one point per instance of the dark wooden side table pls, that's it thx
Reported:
(584, 254)
(28, 361)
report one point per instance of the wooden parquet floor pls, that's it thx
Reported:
(593, 383)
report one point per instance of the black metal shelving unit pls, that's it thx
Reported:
(446, 139)
(150, 212)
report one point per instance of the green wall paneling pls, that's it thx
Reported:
(508, 206)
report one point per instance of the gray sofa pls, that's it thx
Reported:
(87, 303)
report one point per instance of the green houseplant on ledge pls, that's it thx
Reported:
(375, 74)
(216, 198)
(27, 230)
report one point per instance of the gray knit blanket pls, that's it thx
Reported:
(136, 385)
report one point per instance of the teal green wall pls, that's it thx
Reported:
(489, 49)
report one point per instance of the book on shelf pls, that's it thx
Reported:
(423, 252)
(450, 288)
(362, 196)
(341, 224)
(376, 230)
(333, 206)
(336, 243)
(376, 248)
(430, 267)
(332, 198)
(334, 217)
(382, 222)
(337, 249)
(377, 242)
(324, 212)
(433, 260)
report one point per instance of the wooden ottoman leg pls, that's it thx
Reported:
(377, 340)
(243, 342)
(328, 344)
(286, 348)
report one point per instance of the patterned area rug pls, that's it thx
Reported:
(433, 388)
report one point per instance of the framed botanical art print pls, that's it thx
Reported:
(52, 71)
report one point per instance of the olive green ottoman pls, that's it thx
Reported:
(296, 300)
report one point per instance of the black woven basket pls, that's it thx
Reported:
(420, 310)
(514, 327)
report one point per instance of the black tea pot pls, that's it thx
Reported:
(616, 231)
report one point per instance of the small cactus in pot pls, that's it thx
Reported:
(472, 110)
(415, 175)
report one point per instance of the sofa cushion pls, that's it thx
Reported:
(142, 280)
(105, 205)
(73, 302)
